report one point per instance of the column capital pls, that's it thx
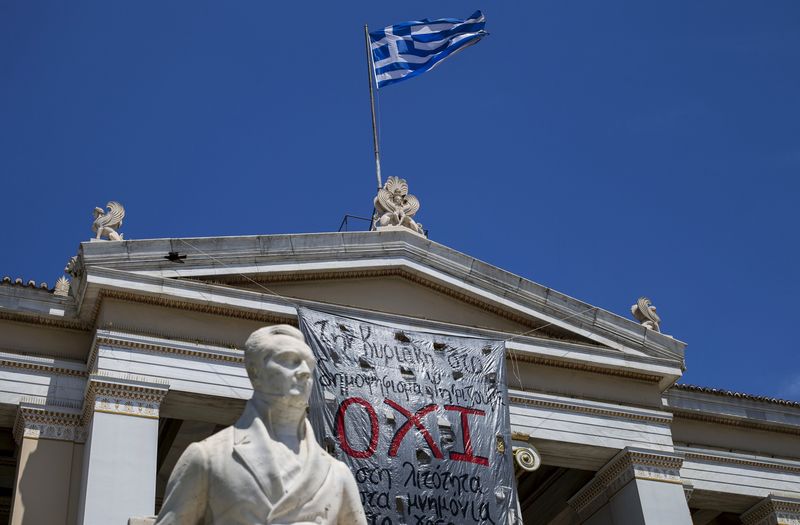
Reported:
(36, 419)
(123, 394)
(775, 509)
(630, 463)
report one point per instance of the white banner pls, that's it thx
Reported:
(420, 418)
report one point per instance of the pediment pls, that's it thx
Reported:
(400, 293)
(393, 273)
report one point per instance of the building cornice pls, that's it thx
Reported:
(732, 458)
(11, 359)
(589, 407)
(252, 305)
(710, 417)
(42, 319)
(128, 339)
(774, 510)
(736, 395)
(527, 357)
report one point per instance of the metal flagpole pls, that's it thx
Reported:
(370, 70)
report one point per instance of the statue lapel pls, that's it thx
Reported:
(309, 481)
(251, 443)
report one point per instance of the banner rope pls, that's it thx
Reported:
(513, 356)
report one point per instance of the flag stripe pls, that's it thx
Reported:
(389, 77)
(414, 55)
(403, 51)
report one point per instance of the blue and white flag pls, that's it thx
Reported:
(402, 51)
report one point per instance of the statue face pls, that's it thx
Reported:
(286, 371)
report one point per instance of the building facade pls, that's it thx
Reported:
(105, 382)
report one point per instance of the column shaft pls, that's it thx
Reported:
(46, 464)
(119, 461)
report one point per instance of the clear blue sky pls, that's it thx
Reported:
(606, 149)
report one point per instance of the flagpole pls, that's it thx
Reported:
(370, 70)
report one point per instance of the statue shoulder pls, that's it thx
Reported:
(339, 467)
(217, 441)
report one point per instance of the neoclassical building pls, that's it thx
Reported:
(104, 382)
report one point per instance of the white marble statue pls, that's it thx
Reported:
(267, 468)
(645, 313)
(395, 207)
(108, 224)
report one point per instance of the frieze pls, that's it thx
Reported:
(125, 395)
(47, 422)
(128, 407)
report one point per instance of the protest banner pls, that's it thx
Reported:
(420, 418)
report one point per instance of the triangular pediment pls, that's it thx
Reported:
(393, 273)
(401, 293)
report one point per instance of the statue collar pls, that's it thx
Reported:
(253, 444)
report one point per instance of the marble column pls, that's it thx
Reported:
(50, 449)
(637, 487)
(119, 460)
(775, 509)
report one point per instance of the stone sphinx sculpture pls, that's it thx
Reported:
(395, 207)
(108, 224)
(267, 468)
(644, 312)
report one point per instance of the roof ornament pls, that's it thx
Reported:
(395, 207)
(62, 287)
(645, 313)
(107, 224)
(74, 268)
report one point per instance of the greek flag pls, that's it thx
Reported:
(402, 51)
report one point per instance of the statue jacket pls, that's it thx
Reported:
(232, 478)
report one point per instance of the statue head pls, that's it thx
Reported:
(279, 363)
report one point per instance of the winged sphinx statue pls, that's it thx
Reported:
(645, 313)
(108, 224)
(395, 207)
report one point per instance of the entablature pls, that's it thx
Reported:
(252, 305)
